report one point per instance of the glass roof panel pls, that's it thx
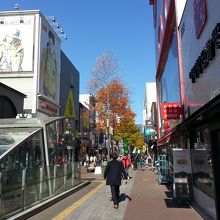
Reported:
(11, 137)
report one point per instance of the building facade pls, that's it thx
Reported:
(200, 34)
(149, 124)
(84, 130)
(89, 102)
(187, 54)
(32, 63)
(150, 97)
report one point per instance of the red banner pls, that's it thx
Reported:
(171, 110)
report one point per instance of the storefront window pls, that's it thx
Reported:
(169, 82)
(202, 166)
(169, 85)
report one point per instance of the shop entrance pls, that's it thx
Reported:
(215, 137)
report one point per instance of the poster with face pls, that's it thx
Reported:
(16, 43)
(49, 64)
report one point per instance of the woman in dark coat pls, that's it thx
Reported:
(113, 173)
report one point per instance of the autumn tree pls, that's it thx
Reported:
(112, 102)
(110, 92)
(128, 130)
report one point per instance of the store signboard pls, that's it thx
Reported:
(49, 76)
(47, 107)
(16, 43)
(171, 110)
(182, 174)
(200, 16)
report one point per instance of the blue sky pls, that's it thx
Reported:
(95, 26)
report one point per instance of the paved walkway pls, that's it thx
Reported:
(153, 201)
(142, 198)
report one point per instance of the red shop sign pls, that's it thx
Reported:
(200, 16)
(171, 110)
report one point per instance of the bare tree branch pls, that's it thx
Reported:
(104, 72)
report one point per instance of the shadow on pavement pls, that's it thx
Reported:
(123, 197)
(169, 194)
(171, 203)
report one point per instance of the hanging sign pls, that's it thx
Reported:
(171, 110)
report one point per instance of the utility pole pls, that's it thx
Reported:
(107, 134)
(108, 126)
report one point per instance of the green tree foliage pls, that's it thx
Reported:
(128, 130)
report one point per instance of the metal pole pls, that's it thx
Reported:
(108, 143)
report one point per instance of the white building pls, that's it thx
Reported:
(30, 60)
(150, 97)
(88, 101)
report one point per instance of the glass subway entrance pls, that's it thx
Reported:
(38, 159)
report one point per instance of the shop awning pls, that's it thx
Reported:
(166, 138)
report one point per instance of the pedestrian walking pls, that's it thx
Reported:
(112, 174)
(126, 161)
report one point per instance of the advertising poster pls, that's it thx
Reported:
(49, 64)
(182, 174)
(16, 43)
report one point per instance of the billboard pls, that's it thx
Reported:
(49, 75)
(16, 43)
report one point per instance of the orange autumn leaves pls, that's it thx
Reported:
(112, 102)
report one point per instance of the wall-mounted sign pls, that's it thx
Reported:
(47, 107)
(200, 15)
(171, 111)
(207, 54)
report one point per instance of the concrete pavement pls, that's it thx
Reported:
(153, 201)
(100, 206)
(142, 198)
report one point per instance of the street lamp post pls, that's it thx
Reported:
(107, 133)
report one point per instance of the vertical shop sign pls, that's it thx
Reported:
(200, 16)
